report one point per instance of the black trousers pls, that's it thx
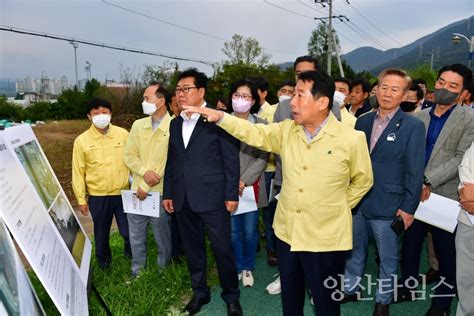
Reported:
(315, 269)
(444, 245)
(176, 244)
(103, 209)
(192, 226)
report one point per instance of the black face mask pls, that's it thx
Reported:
(408, 106)
(445, 97)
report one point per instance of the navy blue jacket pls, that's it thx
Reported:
(207, 171)
(398, 165)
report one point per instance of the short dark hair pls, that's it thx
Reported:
(200, 78)
(419, 81)
(361, 82)
(290, 83)
(461, 70)
(161, 91)
(261, 82)
(419, 92)
(345, 80)
(306, 58)
(96, 103)
(253, 91)
(323, 85)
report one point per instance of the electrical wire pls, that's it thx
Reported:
(97, 44)
(373, 24)
(185, 28)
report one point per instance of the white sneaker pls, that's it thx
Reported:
(247, 278)
(274, 287)
(239, 275)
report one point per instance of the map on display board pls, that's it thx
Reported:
(17, 296)
(42, 221)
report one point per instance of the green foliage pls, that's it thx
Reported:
(424, 71)
(72, 104)
(165, 74)
(246, 51)
(10, 111)
(155, 292)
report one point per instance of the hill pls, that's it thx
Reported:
(418, 52)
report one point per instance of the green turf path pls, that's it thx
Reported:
(256, 301)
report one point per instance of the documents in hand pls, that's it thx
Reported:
(148, 207)
(439, 211)
(247, 202)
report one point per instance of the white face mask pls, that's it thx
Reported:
(148, 108)
(101, 121)
(284, 97)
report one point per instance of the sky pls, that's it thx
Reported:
(197, 29)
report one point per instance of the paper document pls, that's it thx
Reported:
(247, 202)
(148, 207)
(439, 211)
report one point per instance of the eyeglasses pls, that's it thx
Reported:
(237, 95)
(185, 90)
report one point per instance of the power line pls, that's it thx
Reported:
(310, 7)
(97, 44)
(184, 27)
(287, 10)
(374, 25)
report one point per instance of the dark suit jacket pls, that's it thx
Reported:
(207, 171)
(398, 166)
(426, 104)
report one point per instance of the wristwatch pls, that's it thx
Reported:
(426, 181)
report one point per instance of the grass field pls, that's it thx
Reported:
(154, 293)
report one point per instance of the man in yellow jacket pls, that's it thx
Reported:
(145, 155)
(327, 170)
(98, 175)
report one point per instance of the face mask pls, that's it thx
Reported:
(444, 96)
(101, 121)
(338, 99)
(283, 97)
(240, 105)
(408, 106)
(148, 108)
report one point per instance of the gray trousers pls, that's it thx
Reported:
(137, 225)
(464, 271)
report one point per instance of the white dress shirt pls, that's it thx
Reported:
(189, 124)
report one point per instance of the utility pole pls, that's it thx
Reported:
(88, 70)
(75, 45)
(329, 37)
(338, 56)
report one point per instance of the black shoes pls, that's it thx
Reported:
(234, 309)
(272, 258)
(194, 306)
(381, 309)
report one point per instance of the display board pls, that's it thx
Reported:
(42, 221)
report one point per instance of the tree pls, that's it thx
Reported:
(246, 51)
(163, 74)
(424, 71)
(318, 45)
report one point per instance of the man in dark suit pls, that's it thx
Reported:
(395, 142)
(424, 104)
(449, 133)
(202, 186)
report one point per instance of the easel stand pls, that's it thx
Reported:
(90, 286)
(101, 300)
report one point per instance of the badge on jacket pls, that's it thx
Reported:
(391, 137)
